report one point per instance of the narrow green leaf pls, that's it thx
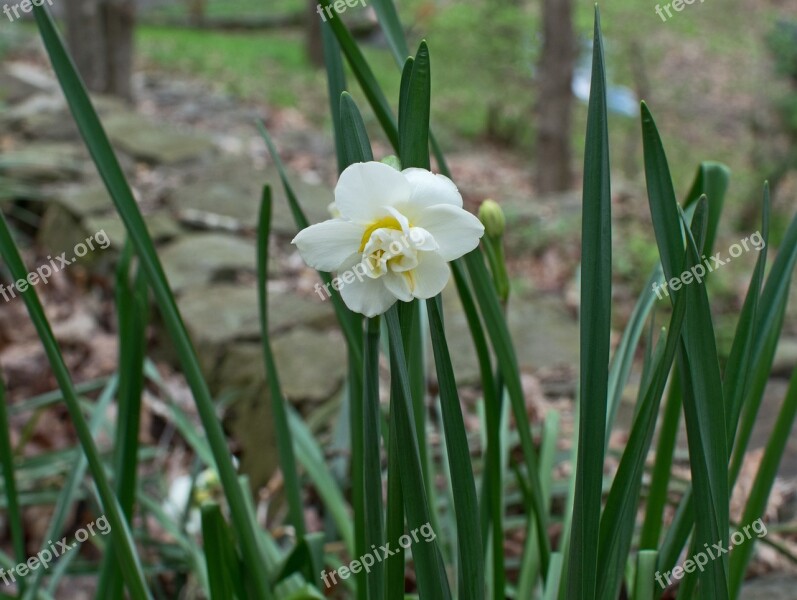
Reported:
(645, 575)
(285, 447)
(372, 457)
(394, 526)
(15, 522)
(712, 180)
(222, 562)
(132, 306)
(493, 499)
(305, 559)
(762, 485)
(492, 486)
(432, 582)
(404, 92)
(469, 542)
(596, 282)
(391, 26)
(336, 85)
(55, 396)
(737, 377)
(365, 77)
(554, 577)
(356, 414)
(619, 516)
(354, 138)
(410, 318)
(414, 111)
(661, 196)
(704, 410)
(660, 478)
(623, 358)
(343, 314)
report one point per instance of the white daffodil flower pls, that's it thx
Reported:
(395, 236)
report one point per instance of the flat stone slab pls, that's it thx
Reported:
(44, 162)
(155, 142)
(232, 189)
(46, 116)
(198, 259)
(223, 313)
(83, 200)
(311, 364)
(544, 335)
(218, 314)
(161, 227)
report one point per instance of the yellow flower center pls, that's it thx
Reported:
(383, 223)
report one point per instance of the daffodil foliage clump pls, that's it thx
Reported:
(439, 511)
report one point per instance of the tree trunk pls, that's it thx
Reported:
(314, 44)
(554, 105)
(100, 39)
(196, 12)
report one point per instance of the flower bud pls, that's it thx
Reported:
(492, 217)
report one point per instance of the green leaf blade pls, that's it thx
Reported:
(595, 333)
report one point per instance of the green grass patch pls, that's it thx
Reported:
(249, 65)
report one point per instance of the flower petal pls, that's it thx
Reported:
(398, 284)
(327, 245)
(364, 295)
(429, 189)
(365, 189)
(430, 276)
(422, 239)
(455, 230)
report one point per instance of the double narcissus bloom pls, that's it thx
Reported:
(395, 236)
